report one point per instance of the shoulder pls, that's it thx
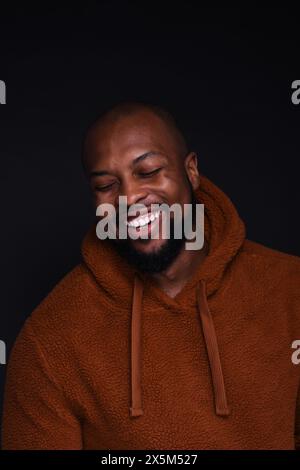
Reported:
(66, 294)
(269, 280)
(58, 318)
(270, 256)
(276, 269)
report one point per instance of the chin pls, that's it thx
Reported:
(149, 246)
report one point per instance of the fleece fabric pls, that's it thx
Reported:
(109, 361)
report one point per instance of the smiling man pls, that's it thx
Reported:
(148, 345)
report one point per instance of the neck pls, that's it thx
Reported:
(173, 279)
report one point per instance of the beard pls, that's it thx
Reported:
(160, 259)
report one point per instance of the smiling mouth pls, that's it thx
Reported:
(141, 221)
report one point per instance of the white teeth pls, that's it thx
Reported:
(143, 222)
(140, 222)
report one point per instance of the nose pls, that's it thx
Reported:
(134, 192)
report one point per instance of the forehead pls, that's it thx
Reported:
(142, 130)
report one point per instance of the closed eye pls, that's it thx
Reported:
(150, 173)
(104, 188)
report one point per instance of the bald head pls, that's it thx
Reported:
(134, 114)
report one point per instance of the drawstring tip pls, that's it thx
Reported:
(136, 412)
(222, 411)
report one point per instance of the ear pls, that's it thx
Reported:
(191, 168)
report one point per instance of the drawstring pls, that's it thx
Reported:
(136, 348)
(212, 351)
(210, 338)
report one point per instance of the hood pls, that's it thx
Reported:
(122, 284)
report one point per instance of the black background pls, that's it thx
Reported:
(225, 73)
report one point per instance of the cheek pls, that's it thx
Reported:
(176, 189)
(186, 196)
(96, 200)
(167, 183)
(101, 198)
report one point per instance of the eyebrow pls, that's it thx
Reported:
(134, 162)
(145, 155)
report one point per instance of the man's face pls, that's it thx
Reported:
(137, 156)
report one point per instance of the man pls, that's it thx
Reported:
(148, 345)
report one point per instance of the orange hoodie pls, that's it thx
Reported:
(110, 361)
